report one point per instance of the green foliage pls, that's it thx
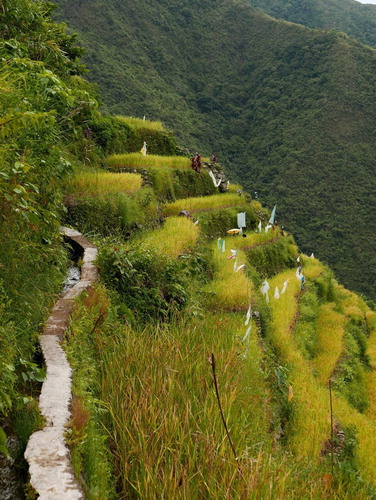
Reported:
(325, 286)
(3, 443)
(350, 374)
(351, 17)
(27, 30)
(150, 284)
(26, 419)
(273, 258)
(215, 224)
(170, 185)
(44, 106)
(306, 328)
(115, 214)
(116, 135)
(87, 433)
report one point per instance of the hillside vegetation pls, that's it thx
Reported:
(290, 110)
(201, 360)
(352, 17)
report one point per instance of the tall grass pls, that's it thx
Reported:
(92, 184)
(310, 427)
(177, 236)
(351, 303)
(229, 290)
(330, 330)
(137, 161)
(140, 124)
(203, 203)
(251, 240)
(168, 437)
(234, 188)
(371, 376)
(371, 353)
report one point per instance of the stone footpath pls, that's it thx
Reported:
(48, 456)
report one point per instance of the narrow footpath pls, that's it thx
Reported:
(48, 456)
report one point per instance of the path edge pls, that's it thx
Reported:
(47, 454)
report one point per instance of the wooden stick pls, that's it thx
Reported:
(331, 424)
(212, 362)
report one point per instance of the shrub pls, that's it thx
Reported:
(150, 284)
(118, 214)
(271, 259)
(215, 224)
(350, 374)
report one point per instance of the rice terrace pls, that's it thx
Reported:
(163, 333)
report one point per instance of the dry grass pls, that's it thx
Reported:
(330, 330)
(366, 435)
(371, 377)
(178, 235)
(311, 399)
(251, 240)
(370, 320)
(168, 436)
(310, 404)
(140, 124)
(91, 184)
(229, 290)
(371, 352)
(203, 203)
(233, 188)
(137, 161)
(351, 303)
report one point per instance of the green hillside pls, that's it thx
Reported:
(201, 360)
(290, 111)
(351, 17)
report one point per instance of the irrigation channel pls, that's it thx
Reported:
(50, 468)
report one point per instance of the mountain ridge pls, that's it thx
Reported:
(354, 18)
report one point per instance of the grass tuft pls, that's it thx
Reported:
(140, 124)
(178, 235)
(201, 203)
(137, 161)
(93, 184)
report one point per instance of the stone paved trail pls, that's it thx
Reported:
(48, 456)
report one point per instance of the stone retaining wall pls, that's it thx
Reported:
(48, 456)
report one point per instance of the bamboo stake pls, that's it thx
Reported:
(331, 424)
(212, 362)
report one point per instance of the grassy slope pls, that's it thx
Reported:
(165, 415)
(349, 16)
(292, 109)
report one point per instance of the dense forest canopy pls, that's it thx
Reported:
(349, 16)
(290, 110)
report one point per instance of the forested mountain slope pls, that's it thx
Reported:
(291, 108)
(191, 327)
(349, 16)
